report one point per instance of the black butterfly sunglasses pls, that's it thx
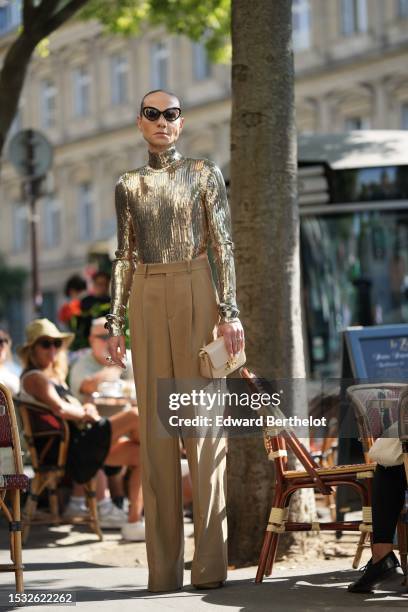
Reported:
(47, 344)
(170, 114)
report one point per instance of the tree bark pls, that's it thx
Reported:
(12, 78)
(38, 22)
(266, 235)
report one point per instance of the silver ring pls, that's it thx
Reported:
(109, 358)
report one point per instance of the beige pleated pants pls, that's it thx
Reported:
(173, 311)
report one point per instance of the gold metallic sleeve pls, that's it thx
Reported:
(124, 263)
(219, 223)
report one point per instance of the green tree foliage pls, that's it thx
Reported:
(207, 20)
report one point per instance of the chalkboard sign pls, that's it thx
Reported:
(378, 353)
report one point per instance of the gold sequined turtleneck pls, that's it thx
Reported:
(170, 210)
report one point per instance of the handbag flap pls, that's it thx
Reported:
(217, 353)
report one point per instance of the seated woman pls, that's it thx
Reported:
(94, 441)
(389, 486)
(7, 376)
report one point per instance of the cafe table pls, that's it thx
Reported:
(109, 406)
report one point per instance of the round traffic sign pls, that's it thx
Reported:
(31, 153)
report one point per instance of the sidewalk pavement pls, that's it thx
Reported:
(112, 575)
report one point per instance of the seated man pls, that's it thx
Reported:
(90, 369)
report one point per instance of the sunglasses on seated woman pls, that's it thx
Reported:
(45, 343)
(170, 114)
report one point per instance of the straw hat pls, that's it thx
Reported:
(40, 328)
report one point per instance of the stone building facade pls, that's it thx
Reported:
(350, 74)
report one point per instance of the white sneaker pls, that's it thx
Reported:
(134, 532)
(110, 516)
(75, 509)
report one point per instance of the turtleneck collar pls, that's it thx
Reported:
(157, 161)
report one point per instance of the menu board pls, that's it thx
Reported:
(370, 354)
(377, 353)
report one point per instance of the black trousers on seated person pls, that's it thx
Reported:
(389, 485)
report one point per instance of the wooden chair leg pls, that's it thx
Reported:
(284, 502)
(264, 555)
(272, 554)
(359, 550)
(90, 490)
(365, 537)
(30, 506)
(402, 534)
(18, 562)
(12, 548)
(53, 501)
(269, 546)
(331, 503)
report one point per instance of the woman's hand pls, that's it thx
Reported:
(234, 336)
(91, 413)
(117, 351)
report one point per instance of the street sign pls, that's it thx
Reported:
(30, 153)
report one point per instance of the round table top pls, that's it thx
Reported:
(108, 406)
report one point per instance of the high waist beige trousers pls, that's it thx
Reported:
(173, 313)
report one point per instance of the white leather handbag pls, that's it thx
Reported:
(215, 361)
(387, 450)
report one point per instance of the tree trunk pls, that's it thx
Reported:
(266, 235)
(39, 21)
(12, 77)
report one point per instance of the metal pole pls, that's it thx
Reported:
(36, 292)
(33, 189)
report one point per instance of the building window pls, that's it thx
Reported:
(404, 116)
(16, 125)
(301, 24)
(201, 62)
(20, 227)
(353, 16)
(48, 104)
(357, 123)
(52, 223)
(82, 92)
(119, 79)
(10, 15)
(160, 65)
(86, 211)
(49, 305)
(403, 8)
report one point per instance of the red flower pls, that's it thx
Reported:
(69, 310)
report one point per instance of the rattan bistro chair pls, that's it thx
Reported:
(403, 435)
(47, 437)
(12, 481)
(287, 482)
(376, 406)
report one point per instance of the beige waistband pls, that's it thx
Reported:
(174, 267)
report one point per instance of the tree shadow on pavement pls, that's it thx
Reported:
(311, 592)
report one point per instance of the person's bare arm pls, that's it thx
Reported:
(44, 391)
(108, 374)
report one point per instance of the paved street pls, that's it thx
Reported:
(113, 575)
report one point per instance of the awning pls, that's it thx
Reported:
(357, 149)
